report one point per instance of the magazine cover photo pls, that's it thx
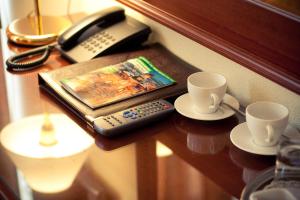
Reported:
(113, 83)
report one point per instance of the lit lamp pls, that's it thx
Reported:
(36, 30)
(48, 153)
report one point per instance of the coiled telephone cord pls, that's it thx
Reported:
(15, 64)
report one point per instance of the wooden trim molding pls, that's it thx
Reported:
(256, 35)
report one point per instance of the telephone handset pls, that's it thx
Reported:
(101, 33)
(98, 34)
(102, 18)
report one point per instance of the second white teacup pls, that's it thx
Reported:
(266, 122)
(206, 91)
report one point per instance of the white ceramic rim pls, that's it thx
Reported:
(282, 107)
(224, 81)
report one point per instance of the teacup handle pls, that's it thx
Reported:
(270, 131)
(215, 99)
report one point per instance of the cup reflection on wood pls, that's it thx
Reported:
(212, 139)
(47, 169)
(206, 144)
(247, 162)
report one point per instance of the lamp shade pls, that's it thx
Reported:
(47, 169)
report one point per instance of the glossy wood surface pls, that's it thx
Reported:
(202, 163)
(257, 35)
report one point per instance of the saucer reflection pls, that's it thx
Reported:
(206, 137)
(248, 162)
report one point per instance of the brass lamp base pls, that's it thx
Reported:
(27, 31)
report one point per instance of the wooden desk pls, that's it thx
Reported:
(202, 163)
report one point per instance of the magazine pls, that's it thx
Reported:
(114, 83)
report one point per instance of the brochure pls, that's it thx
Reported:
(114, 83)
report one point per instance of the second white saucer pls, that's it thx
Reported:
(184, 106)
(241, 137)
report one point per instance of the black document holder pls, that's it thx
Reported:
(156, 53)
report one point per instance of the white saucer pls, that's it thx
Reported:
(240, 136)
(184, 106)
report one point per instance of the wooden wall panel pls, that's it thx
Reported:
(258, 36)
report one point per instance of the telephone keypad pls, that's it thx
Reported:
(98, 41)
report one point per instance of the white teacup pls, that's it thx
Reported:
(206, 91)
(266, 122)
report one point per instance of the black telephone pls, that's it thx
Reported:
(98, 34)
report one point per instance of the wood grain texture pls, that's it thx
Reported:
(258, 37)
(217, 170)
